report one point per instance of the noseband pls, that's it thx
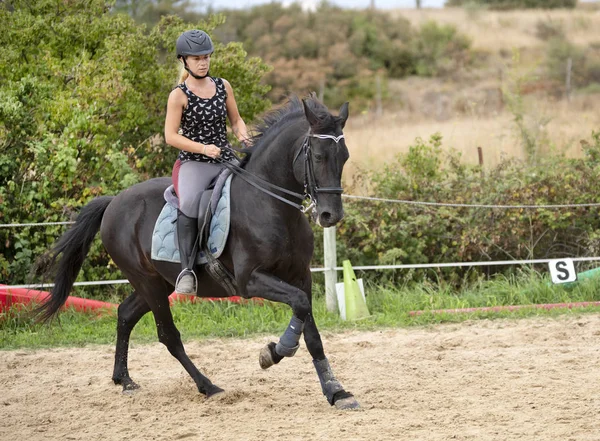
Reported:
(311, 189)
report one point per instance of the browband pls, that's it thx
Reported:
(335, 138)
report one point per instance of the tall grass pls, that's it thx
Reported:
(389, 307)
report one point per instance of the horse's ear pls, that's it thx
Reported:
(310, 115)
(344, 113)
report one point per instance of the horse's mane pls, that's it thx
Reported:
(292, 110)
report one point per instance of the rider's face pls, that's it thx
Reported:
(199, 64)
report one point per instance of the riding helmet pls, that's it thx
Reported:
(194, 42)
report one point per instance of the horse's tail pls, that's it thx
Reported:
(73, 247)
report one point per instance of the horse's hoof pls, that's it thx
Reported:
(129, 387)
(215, 390)
(265, 359)
(348, 403)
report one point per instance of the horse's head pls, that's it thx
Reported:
(326, 154)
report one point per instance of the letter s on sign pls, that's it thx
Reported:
(562, 270)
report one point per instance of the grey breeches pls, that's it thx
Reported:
(190, 181)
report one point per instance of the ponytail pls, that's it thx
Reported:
(183, 74)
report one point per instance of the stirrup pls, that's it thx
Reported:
(181, 275)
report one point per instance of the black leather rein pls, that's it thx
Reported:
(311, 189)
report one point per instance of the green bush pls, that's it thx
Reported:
(585, 69)
(376, 233)
(332, 47)
(439, 49)
(83, 93)
(517, 4)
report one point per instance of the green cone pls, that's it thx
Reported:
(356, 308)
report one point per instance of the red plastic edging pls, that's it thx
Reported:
(23, 296)
(546, 306)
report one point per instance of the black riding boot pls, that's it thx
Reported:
(187, 235)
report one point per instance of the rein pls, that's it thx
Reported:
(311, 189)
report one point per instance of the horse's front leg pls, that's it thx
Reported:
(332, 388)
(272, 288)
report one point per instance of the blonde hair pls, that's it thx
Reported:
(183, 74)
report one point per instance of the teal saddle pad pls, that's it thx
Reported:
(164, 237)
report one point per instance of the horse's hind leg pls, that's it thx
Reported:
(170, 336)
(130, 312)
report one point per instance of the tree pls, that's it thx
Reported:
(83, 92)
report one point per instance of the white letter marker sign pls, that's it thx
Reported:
(562, 270)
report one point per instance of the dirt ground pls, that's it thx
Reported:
(534, 379)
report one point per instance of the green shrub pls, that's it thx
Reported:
(547, 29)
(375, 233)
(439, 49)
(517, 4)
(82, 102)
(585, 69)
(335, 46)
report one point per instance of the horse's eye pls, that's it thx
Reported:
(318, 157)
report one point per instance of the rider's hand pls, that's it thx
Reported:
(211, 151)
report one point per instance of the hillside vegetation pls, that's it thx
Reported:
(83, 89)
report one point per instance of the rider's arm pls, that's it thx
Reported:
(237, 123)
(175, 105)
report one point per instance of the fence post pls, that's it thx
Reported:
(568, 79)
(330, 261)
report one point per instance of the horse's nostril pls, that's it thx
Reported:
(325, 216)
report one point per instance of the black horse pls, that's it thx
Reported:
(299, 148)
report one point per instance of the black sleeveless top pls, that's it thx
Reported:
(204, 121)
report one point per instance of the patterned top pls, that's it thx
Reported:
(204, 121)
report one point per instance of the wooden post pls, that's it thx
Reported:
(480, 154)
(330, 262)
(378, 105)
(501, 86)
(568, 80)
(322, 89)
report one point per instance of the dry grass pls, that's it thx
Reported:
(504, 30)
(373, 142)
(469, 109)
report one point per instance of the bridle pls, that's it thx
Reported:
(311, 188)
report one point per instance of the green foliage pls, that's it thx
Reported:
(82, 100)
(585, 70)
(400, 233)
(341, 50)
(513, 97)
(439, 49)
(547, 29)
(516, 4)
(152, 11)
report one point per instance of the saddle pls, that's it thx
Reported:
(213, 230)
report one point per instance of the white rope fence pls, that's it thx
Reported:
(370, 198)
(356, 268)
(365, 267)
(36, 224)
(443, 204)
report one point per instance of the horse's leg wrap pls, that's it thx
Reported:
(289, 341)
(329, 384)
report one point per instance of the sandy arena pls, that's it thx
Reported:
(534, 379)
